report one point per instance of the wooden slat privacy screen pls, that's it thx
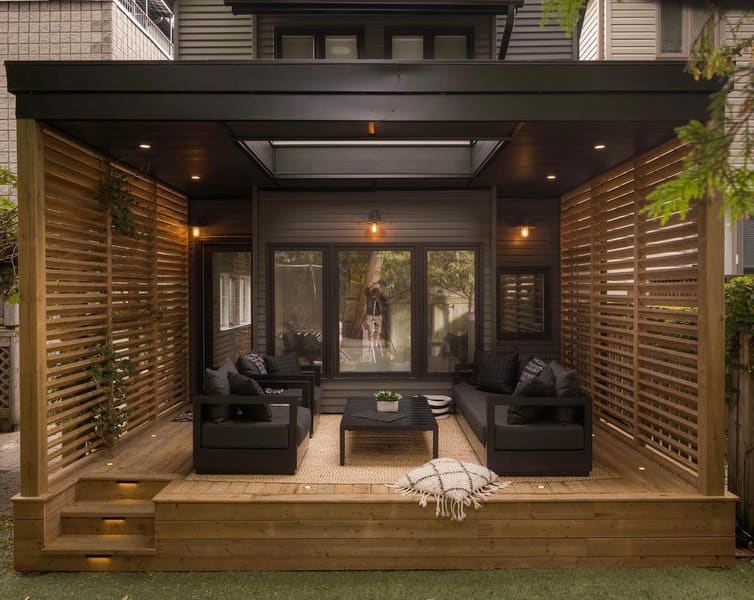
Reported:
(103, 287)
(630, 290)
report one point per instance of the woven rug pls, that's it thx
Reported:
(381, 456)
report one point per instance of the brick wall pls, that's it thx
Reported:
(62, 30)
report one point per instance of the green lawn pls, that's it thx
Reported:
(584, 584)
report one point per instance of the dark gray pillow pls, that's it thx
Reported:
(497, 372)
(252, 364)
(283, 365)
(566, 385)
(245, 386)
(216, 383)
(542, 386)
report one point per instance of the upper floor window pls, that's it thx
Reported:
(429, 45)
(308, 44)
(679, 24)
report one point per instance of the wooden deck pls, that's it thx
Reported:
(135, 510)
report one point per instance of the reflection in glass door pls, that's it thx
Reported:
(374, 312)
(227, 304)
(451, 308)
(298, 297)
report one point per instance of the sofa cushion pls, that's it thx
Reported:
(252, 364)
(283, 365)
(472, 404)
(541, 386)
(566, 385)
(216, 383)
(246, 386)
(243, 433)
(497, 372)
(540, 435)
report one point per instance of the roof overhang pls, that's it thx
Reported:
(195, 115)
(372, 6)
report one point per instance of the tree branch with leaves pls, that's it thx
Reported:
(8, 240)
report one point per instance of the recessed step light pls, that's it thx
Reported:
(145, 146)
(599, 146)
(551, 177)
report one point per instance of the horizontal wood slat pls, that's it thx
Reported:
(630, 306)
(104, 287)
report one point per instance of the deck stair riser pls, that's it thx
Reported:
(112, 517)
(118, 488)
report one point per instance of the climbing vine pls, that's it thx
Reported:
(111, 377)
(739, 321)
(117, 201)
(8, 240)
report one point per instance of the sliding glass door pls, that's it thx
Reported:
(359, 310)
(374, 311)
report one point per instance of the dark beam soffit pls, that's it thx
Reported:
(242, 7)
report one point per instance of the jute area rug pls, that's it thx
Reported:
(380, 457)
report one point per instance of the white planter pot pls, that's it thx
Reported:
(387, 406)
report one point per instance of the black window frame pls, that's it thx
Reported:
(429, 33)
(546, 334)
(319, 34)
(331, 309)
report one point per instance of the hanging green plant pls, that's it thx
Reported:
(111, 377)
(117, 201)
(739, 321)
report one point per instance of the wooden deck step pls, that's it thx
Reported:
(120, 508)
(121, 487)
(101, 545)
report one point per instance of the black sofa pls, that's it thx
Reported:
(238, 445)
(543, 447)
(308, 382)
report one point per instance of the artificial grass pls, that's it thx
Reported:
(515, 584)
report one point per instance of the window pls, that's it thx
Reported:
(522, 300)
(412, 45)
(299, 300)
(679, 24)
(235, 300)
(406, 310)
(300, 44)
(374, 311)
(451, 308)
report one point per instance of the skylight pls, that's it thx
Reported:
(372, 158)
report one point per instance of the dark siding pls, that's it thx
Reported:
(460, 216)
(531, 41)
(541, 249)
(207, 29)
(374, 29)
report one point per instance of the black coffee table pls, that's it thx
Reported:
(415, 415)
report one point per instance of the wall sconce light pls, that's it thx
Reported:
(374, 221)
(196, 232)
(524, 230)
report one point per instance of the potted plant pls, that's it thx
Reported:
(387, 401)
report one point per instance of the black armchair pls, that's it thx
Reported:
(241, 446)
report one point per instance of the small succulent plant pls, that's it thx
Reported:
(387, 396)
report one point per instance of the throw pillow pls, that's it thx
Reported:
(252, 364)
(542, 386)
(283, 365)
(216, 384)
(566, 384)
(532, 368)
(497, 372)
(245, 386)
(453, 484)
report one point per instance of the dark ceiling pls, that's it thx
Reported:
(210, 150)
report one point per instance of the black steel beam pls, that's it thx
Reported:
(466, 7)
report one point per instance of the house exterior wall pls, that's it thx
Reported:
(208, 29)
(62, 30)
(532, 41)
(591, 36)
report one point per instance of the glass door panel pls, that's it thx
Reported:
(298, 304)
(374, 312)
(451, 308)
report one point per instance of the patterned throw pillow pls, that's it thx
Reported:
(566, 385)
(533, 367)
(497, 372)
(453, 484)
(252, 364)
(283, 365)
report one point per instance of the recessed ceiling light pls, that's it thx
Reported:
(551, 177)
(145, 146)
(196, 177)
(599, 146)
